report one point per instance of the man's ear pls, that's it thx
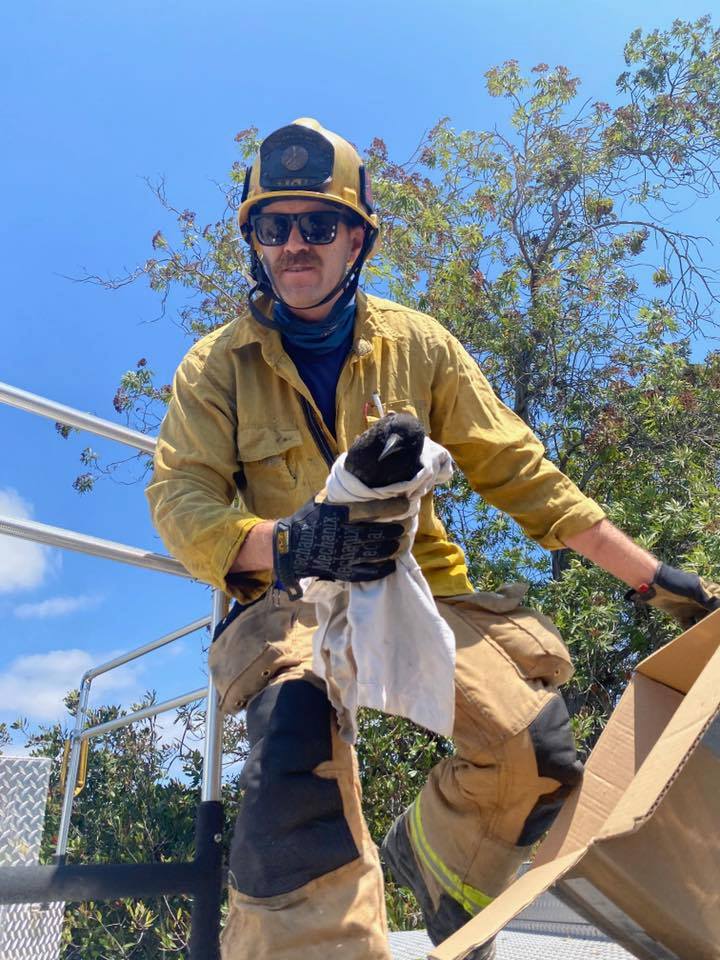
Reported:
(357, 235)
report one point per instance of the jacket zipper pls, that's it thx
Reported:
(317, 431)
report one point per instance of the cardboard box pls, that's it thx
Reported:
(636, 849)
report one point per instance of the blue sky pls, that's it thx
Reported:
(97, 97)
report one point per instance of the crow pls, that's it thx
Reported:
(389, 452)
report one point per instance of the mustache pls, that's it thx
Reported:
(304, 259)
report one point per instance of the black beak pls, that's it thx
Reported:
(391, 446)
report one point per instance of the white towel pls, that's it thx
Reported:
(383, 644)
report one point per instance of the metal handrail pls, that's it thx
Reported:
(33, 403)
(147, 648)
(202, 876)
(96, 547)
(151, 711)
(82, 733)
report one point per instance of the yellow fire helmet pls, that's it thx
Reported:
(304, 160)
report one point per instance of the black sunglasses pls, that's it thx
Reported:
(317, 227)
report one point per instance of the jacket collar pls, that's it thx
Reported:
(368, 325)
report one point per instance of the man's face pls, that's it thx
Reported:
(304, 273)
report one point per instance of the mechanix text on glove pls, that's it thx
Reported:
(338, 542)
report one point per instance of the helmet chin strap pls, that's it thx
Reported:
(264, 286)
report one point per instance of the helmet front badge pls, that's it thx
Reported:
(294, 158)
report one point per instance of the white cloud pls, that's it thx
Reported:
(23, 565)
(55, 607)
(34, 686)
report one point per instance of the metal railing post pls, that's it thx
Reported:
(205, 915)
(72, 772)
(212, 768)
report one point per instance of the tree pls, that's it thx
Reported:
(551, 250)
(555, 249)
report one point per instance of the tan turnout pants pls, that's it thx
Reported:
(466, 826)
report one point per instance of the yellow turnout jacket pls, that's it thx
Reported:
(243, 441)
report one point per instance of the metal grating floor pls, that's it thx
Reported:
(546, 930)
(512, 945)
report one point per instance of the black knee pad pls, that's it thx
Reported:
(291, 828)
(556, 757)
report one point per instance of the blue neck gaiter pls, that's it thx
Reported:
(321, 336)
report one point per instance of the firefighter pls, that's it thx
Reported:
(260, 409)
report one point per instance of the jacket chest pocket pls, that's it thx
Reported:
(270, 469)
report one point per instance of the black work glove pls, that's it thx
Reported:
(339, 542)
(684, 596)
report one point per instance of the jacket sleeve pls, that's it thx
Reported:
(501, 457)
(193, 496)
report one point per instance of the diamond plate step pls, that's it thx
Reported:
(27, 930)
